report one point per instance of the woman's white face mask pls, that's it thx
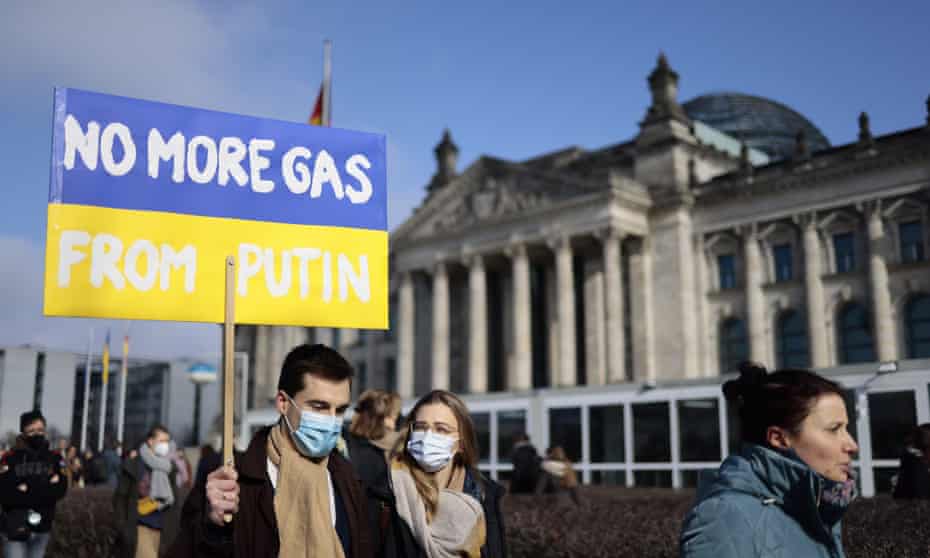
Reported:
(431, 451)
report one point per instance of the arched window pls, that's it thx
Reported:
(917, 326)
(734, 347)
(791, 341)
(855, 335)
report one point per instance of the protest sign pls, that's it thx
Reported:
(147, 200)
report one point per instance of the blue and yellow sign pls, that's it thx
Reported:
(147, 200)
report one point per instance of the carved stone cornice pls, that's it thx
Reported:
(832, 167)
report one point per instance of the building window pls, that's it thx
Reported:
(726, 264)
(917, 325)
(565, 431)
(844, 250)
(784, 263)
(912, 241)
(792, 341)
(734, 347)
(855, 333)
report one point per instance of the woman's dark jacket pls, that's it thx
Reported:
(126, 511)
(913, 477)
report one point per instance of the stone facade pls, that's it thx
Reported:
(660, 258)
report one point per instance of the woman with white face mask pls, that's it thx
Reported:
(450, 507)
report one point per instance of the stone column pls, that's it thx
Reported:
(521, 374)
(613, 305)
(641, 292)
(440, 327)
(883, 326)
(705, 327)
(477, 325)
(552, 323)
(565, 285)
(324, 335)
(755, 301)
(405, 340)
(813, 286)
(595, 343)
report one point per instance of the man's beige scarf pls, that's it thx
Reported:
(301, 502)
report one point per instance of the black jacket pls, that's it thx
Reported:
(913, 478)
(37, 469)
(126, 511)
(495, 546)
(526, 469)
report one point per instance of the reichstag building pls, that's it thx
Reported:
(595, 297)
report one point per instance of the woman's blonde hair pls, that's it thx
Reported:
(372, 408)
(467, 456)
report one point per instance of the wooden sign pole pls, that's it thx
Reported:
(229, 380)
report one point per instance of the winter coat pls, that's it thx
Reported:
(126, 511)
(489, 493)
(36, 469)
(254, 529)
(913, 477)
(762, 504)
(526, 468)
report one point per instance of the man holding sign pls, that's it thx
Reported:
(292, 494)
(162, 212)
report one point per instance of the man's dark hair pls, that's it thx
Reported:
(318, 360)
(30, 417)
(155, 430)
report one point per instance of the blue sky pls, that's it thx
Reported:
(509, 79)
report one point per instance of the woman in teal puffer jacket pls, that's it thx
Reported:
(784, 494)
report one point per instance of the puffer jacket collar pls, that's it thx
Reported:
(777, 478)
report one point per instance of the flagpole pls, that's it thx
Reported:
(327, 82)
(103, 393)
(122, 390)
(84, 411)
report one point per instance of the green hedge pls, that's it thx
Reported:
(609, 522)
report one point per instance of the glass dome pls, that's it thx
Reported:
(763, 124)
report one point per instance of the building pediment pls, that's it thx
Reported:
(490, 191)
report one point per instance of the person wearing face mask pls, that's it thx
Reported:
(291, 494)
(785, 492)
(450, 507)
(145, 502)
(31, 484)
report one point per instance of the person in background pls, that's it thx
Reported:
(145, 502)
(914, 474)
(558, 475)
(111, 462)
(372, 436)
(184, 478)
(31, 484)
(785, 492)
(292, 493)
(450, 507)
(526, 465)
(369, 441)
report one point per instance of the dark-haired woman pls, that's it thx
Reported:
(785, 493)
(450, 507)
(914, 473)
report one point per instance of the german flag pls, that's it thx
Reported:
(316, 118)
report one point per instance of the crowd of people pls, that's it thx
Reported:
(398, 486)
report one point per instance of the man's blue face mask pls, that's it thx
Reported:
(317, 434)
